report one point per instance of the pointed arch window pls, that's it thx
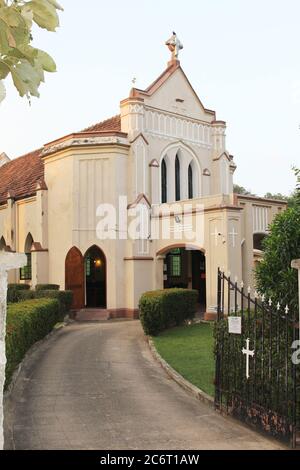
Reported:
(26, 272)
(2, 244)
(177, 179)
(191, 183)
(164, 182)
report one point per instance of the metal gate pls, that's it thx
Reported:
(257, 376)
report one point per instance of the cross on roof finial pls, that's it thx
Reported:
(175, 46)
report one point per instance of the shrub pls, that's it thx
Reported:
(274, 275)
(27, 323)
(19, 286)
(48, 287)
(15, 292)
(26, 295)
(164, 309)
(65, 299)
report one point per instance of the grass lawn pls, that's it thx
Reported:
(189, 350)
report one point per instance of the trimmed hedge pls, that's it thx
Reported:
(48, 287)
(160, 310)
(19, 286)
(15, 290)
(65, 298)
(27, 323)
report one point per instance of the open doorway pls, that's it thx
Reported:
(95, 278)
(186, 269)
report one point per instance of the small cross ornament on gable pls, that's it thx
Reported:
(248, 353)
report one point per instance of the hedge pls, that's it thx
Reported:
(27, 323)
(14, 292)
(160, 310)
(19, 286)
(65, 298)
(48, 287)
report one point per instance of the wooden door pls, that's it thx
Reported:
(75, 277)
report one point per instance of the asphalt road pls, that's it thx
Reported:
(96, 386)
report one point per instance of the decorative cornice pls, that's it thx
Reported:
(261, 199)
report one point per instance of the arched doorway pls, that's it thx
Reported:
(185, 268)
(74, 269)
(95, 278)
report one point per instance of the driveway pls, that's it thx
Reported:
(96, 386)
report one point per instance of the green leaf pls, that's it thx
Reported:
(25, 63)
(4, 69)
(46, 61)
(2, 91)
(44, 14)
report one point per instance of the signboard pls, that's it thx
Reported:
(235, 325)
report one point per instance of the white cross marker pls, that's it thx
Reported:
(248, 353)
(233, 234)
(216, 235)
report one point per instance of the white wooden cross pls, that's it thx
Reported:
(8, 261)
(233, 234)
(216, 235)
(248, 353)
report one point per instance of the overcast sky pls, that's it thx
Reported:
(242, 57)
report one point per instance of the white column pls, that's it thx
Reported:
(8, 261)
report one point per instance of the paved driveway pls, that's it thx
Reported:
(96, 386)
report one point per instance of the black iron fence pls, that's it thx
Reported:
(257, 376)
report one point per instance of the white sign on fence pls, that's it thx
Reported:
(235, 325)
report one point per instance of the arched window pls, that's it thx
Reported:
(177, 179)
(26, 272)
(164, 182)
(191, 185)
(2, 244)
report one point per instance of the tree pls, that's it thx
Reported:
(241, 190)
(274, 275)
(276, 196)
(18, 58)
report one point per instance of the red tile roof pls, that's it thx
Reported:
(21, 176)
(112, 124)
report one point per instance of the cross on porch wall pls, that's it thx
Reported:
(216, 234)
(8, 261)
(233, 234)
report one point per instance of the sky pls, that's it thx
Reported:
(242, 58)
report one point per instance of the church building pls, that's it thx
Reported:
(164, 152)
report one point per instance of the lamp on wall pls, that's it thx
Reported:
(98, 263)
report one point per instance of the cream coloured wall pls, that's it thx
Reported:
(5, 223)
(78, 182)
(26, 222)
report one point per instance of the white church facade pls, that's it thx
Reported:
(166, 152)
